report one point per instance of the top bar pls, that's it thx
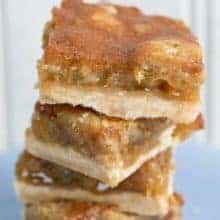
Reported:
(120, 62)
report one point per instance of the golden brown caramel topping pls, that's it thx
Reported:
(120, 47)
(106, 36)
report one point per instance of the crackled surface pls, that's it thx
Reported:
(120, 47)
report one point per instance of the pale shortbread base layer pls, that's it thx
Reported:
(126, 201)
(120, 103)
(60, 211)
(68, 157)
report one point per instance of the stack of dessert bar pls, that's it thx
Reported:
(118, 91)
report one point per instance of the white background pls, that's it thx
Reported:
(21, 25)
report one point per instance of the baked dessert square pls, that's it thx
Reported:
(64, 210)
(105, 148)
(121, 62)
(146, 192)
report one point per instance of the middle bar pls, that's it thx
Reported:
(98, 146)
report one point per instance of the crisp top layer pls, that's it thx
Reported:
(113, 38)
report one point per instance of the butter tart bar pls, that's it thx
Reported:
(146, 192)
(121, 62)
(105, 148)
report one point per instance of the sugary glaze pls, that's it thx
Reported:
(120, 47)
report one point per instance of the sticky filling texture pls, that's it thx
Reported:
(109, 141)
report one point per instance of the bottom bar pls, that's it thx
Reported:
(89, 211)
(146, 192)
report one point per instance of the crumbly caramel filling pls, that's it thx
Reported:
(152, 179)
(108, 140)
(151, 78)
